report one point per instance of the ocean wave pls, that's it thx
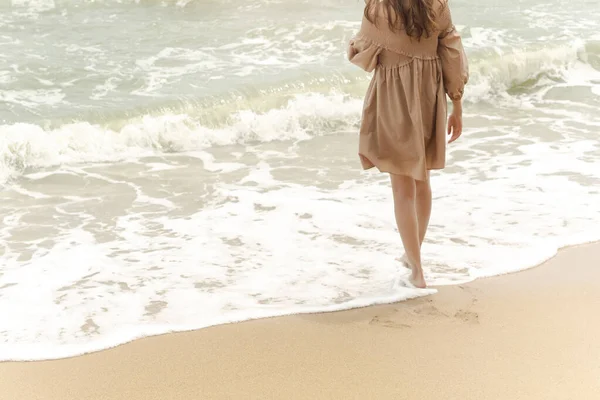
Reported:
(504, 72)
(295, 111)
(24, 146)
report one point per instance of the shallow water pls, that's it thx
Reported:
(169, 165)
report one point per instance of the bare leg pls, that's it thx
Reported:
(423, 208)
(405, 192)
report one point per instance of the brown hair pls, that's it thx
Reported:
(415, 17)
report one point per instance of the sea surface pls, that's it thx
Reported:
(171, 165)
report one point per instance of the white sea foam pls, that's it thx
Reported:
(29, 146)
(262, 243)
(31, 98)
(34, 5)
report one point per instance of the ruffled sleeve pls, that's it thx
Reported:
(455, 67)
(364, 53)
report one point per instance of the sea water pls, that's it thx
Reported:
(171, 165)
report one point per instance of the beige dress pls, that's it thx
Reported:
(403, 127)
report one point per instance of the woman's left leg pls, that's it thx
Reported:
(405, 210)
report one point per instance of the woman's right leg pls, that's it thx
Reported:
(405, 192)
(423, 204)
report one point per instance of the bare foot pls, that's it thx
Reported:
(417, 279)
(404, 261)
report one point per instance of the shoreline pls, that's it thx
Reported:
(355, 304)
(526, 335)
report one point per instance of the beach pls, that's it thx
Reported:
(184, 213)
(530, 335)
(161, 153)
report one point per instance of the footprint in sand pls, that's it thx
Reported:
(428, 309)
(388, 323)
(467, 316)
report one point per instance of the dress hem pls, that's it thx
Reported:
(387, 171)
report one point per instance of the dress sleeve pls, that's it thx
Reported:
(364, 53)
(455, 67)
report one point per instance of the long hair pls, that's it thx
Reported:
(415, 17)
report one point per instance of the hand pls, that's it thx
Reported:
(455, 125)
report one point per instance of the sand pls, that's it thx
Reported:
(529, 335)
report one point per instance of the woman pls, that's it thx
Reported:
(418, 58)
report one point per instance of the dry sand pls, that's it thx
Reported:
(531, 335)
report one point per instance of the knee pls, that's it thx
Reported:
(403, 188)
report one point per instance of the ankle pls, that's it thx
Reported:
(414, 263)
